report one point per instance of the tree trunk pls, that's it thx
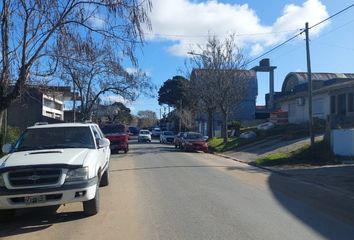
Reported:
(224, 126)
(210, 124)
(2, 114)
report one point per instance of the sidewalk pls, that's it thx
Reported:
(337, 178)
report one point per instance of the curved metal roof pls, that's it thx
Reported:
(294, 79)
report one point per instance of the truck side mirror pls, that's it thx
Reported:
(6, 148)
(103, 142)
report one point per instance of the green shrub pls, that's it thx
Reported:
(320, 154)
(234, 125)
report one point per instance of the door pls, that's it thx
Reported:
(342, 105)
(102, 151)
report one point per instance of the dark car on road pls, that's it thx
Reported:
(193, 141)
(118, 135)
(134, 131)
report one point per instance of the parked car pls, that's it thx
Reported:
(144, 136)
(134, 131)
(193, 141)
(118, 134)
(167, 137)
(54, 164)
(156, 132)
(177, 140)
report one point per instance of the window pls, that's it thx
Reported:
(55, 138)
(333, 104)
(113, 129)
(318, 107)
(96, 133)
(341, 104)
(52, 104)
(350, 102)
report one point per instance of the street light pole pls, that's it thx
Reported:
(180, 117)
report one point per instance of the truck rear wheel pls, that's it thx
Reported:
(92, 207)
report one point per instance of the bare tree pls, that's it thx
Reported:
(203, 91)
(30, 29)
(221, 85)
(146, 119)
(96, 70)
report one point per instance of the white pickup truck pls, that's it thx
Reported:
(54, 164)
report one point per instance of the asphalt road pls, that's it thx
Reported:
(157, 192)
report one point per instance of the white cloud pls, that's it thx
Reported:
(186, 23)
(97, 21)
(133, 70)
(256, 49)
(109, 99)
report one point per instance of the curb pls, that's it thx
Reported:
(253, 165)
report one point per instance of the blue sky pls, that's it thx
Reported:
(179, 24)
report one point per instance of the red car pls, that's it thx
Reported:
(118, 134)
(192, 141)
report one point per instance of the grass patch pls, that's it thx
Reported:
(218, 145)
(321, 154)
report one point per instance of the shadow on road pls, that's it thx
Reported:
(166, 167)
(334, 211)
(35, 219)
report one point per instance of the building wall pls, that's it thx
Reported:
(298, 113)
(321, 106)
(25, 111)
(34, 106)
(347, 106)
(53, 106)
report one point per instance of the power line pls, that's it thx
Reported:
(337, 13)
(274, 48)
(334, 30)
(302, 31)
(205, 35)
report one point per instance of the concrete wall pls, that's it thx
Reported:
(299, 113)
(342, 142)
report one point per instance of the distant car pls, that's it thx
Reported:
(167, 137)
(193, 141)
(134, 131)
(156, 132)
(118, 134)
(144, 136)
(177, 140)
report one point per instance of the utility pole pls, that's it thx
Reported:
(180, 117)
(309, 79)
(74, 97)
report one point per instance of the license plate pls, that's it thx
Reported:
(30, 200)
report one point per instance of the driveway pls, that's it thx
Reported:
(250, 153)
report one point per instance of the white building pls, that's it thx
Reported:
(39, 104)
(332, 95)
